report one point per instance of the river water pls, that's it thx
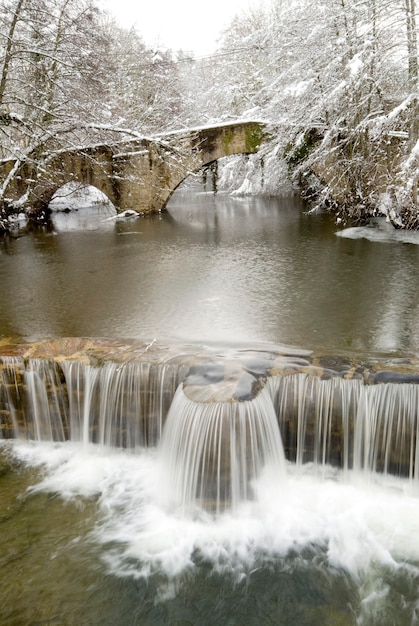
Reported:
(216, 269)
(84, 537)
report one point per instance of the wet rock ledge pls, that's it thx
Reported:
(213, 373)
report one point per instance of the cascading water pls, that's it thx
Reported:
(115, 404)
(213, 452)
(203, 497)
(213, 449)
(119, 405)
(345, 423)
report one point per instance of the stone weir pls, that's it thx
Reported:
(330, 410)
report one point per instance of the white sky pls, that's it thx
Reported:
(190, 25)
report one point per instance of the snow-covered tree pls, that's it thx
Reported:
(144, 85)
(338, 82)
(69, 76)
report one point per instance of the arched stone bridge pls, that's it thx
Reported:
(138, 174)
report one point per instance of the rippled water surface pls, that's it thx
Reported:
(215, 269)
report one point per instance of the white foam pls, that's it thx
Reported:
(356, 525)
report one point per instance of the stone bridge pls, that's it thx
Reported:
(138, 174)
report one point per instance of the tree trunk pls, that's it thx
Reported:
(412, 45)
(9, 48)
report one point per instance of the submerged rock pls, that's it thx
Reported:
(394, 377)
(220, 382)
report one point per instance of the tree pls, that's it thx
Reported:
(69, 76)
(339, 83)
(144, 85)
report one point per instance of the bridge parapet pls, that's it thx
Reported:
(138, 174)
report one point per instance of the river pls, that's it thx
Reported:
(215, 269)
(85, 538)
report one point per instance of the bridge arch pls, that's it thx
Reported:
(187, 152)
(139, 174)
(69, 194)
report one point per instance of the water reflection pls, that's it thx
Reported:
(396, 309)
(214, 269)
(99, 217)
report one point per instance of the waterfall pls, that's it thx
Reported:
(45, 413)
(213, 452)
(114, 404)
(10, 397)
(386, 432)
(366, 428)
(316, 418)
(214, 447)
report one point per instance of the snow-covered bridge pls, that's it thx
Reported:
(138, 174)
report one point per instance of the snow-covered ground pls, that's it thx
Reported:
(74, 196)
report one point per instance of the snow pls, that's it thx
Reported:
(294, 65)
(194, 129)
(298, 89)
(381, 231)
(124, 215)
(77, 196)
(355, 65)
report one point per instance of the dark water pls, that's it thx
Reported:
(83, 538)
(215, 269)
